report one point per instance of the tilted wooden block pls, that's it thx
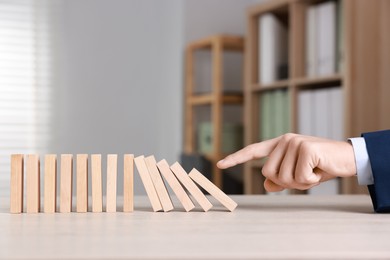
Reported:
(33, 195)
(16, 195)
(66, 185)
(211, 188)
(159, 184)
(112, 160)
(50, 186)
(198, 195)
(175, 185)
(97, 187)
(148, 183)
(128, 183)
(82, 183)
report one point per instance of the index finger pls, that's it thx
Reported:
(253, 151)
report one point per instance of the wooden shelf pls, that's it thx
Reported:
(280, 84)
(274, 6)
(216, 99)
(207, 99)
(320, 81)
(229, 42)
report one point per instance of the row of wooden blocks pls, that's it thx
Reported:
(151, 173)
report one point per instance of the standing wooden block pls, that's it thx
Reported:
(183, 177)
(175, 185)
(112, 160)
(33, 184)
(148, 183)
(211, 188)
(159, 184)
(82, 183)
(128, 183)
(66, 183)
(97, 187)
(50, 186)
(16, 196)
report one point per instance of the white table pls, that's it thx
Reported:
(270, 227)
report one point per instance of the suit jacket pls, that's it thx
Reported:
(378, 148)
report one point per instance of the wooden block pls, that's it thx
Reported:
(211, 188)
(128, 183)
(175, 185)
(198, 195)
(16, 195)
(82, 183)
(66, 180)
(112, 160)
(148, 183)
(50, 186)
(33, 195)
(159, 185)
(97, 187)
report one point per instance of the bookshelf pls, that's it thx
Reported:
(361, 77)
(215, 99)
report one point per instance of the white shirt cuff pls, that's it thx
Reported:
(363, 165)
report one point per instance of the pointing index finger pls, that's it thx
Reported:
(253, 151)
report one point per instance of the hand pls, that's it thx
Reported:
(297, 161)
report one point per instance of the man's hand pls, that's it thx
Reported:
(297, 161)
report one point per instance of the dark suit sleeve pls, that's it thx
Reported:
(378, 148)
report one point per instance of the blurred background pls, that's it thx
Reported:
(100, 76)
(189, 80)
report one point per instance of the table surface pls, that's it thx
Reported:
(269, 227)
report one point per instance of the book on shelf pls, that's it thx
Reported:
(320, 113)
(323, 39)
(232, 137)
(273, 49)
(274, 114)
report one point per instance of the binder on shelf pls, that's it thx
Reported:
(311, 41)
(323, 39)
(273, 49)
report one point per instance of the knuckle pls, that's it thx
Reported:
(250, 148)
(288, 136)
(268, 171)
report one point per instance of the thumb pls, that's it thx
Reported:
(271, 186)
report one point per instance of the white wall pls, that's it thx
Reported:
(206, 17)
(119, 83)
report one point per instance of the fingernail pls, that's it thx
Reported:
(221, 161)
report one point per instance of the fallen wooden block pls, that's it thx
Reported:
(159, 185)
(148, 183)
(198, 195)
(211, 188)
(175, 185)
